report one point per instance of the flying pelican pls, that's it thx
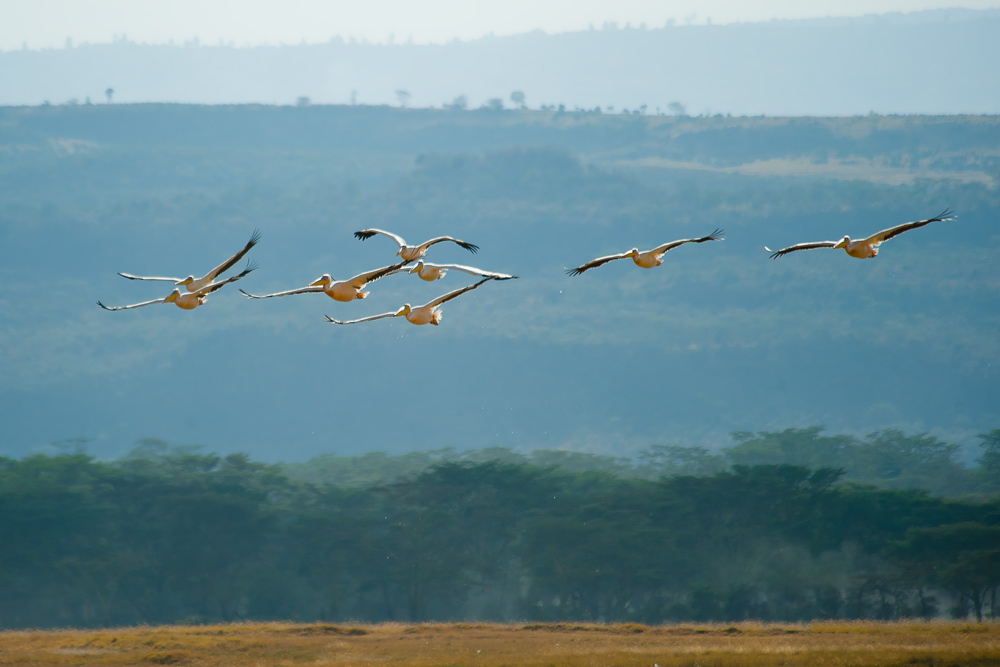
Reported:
(648, 259)
(431, 272)
(863, 248)
(412, 252)
(428, 313)
(194, 284)
(338, 290)
(187, 300)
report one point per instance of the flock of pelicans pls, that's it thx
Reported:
(197, 289)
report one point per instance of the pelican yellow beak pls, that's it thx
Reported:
(186, 281)
(322, 280)
(173, 296)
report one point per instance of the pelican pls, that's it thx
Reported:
(431, 272)
(863, 248)
(194, 284)
(649, 258)
(429, 313)
(338, 290)
(187, 300)
(412, 252)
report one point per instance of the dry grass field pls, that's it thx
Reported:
(493, 645)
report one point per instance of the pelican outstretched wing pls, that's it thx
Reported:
(211, 275)
(717, 235)
(134, 305)
(595, 263)
(471, 270)
(456, 293)
(887, 234)
(301, 290)
(211, 287)
(363, 319)
(368, 233)
(160, 278)
(229, 263)
(471, 247)
(775, 254)
(362, 279)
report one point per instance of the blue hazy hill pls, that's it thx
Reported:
(718, 339)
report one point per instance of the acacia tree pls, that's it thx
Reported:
(963, 558)
(989, 460)
(460, 103)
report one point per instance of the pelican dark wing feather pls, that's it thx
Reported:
(211, 287)
(363, 279)
(775, 254)
(471, 247)
(231, 262)
(594, 263)
(887, 234)
(717, 235)
(368, 233)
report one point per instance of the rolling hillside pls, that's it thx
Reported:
(718, 339)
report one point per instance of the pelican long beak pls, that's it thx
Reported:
(173, 296)
(405, 310)
(842, 243)
(186, 281)
(322, 280)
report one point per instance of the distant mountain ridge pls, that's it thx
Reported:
(932, 62)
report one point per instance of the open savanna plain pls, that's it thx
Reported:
(493, 645)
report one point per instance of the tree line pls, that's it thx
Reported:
(172, 535)
(888, 458)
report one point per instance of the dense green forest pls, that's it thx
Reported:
(888, 459)
(173, 535)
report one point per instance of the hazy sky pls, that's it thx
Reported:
(50, 23)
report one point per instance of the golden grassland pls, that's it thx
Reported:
(493, 645)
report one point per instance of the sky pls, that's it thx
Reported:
(40, 24)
